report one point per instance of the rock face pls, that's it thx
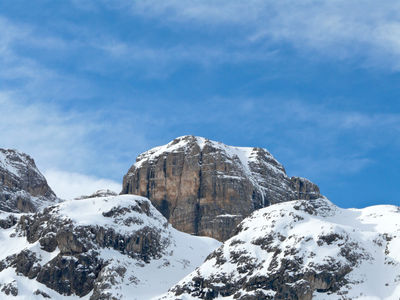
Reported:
(206, 188)
(22, 187)
(303, 250)
(98, 248)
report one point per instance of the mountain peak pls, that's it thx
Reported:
(186, 144)
(22, 187)
(205, 187)
(15, 161)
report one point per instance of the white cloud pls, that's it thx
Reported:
(42, 131)
(88, 142)
(69, 185)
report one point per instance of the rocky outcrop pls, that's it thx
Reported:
(95, 247)
(10, 289)
(206, 188)
(303, 250)
(7, 221)
(22, 187)
(99, 193)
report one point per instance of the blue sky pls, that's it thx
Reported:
(85, 86)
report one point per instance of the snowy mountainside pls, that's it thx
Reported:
(303, 250)
(22, 187)
(113, 247)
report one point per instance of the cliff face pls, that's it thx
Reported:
(22, 187)
(206, 188)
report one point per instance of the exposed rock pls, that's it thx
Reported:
(206, 188)
(48, 242)
(22, 187)
(303, 250)
(304, 189)
(71, 274)
(8, 222)
(99, 193)
(109, 277)
(10, 289)
(25, 263)
(41, 293)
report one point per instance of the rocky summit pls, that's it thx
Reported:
(22, 187)
(206, 188)
(303, 250)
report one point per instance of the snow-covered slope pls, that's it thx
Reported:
(304, 250)
(114, 247)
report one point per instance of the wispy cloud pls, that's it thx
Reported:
(104, 53)
(54, 140)
(25, 73)
(366, 32)
(41, 129)
(88, 142)
(203, 54)
(69, 185)
(233, 32)
(211, 12)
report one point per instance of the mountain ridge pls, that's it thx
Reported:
(97, 248)
(105, 246)
(303, 250)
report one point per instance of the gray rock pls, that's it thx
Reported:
(99, 193)
(10, 289)
(71, 274)
(41, 293)
(22, 187)
(8, 222)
